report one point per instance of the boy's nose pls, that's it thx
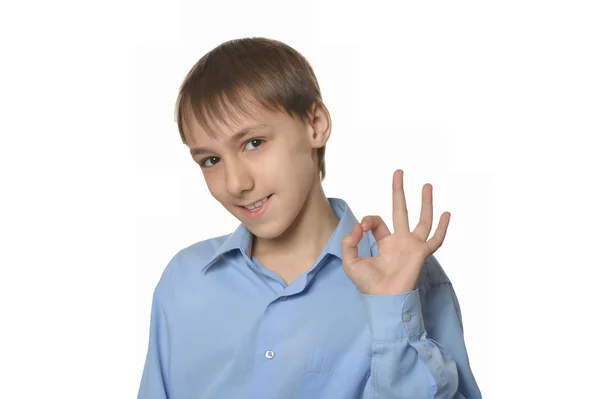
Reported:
(238, 179)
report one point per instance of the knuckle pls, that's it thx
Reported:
(371, 218)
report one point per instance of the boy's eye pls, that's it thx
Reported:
(211, 159)
(214, 160)
(254, 141)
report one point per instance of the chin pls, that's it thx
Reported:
(265, 232)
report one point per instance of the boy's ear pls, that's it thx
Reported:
(319, 124)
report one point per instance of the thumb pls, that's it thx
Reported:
(349, 245)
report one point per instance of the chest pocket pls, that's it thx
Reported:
(335, 374)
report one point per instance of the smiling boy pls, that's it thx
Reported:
(301, 300)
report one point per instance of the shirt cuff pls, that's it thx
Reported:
(394, 317)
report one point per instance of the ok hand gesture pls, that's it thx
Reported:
(396, 269)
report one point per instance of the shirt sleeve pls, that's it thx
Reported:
(154, 384)
(407, 362)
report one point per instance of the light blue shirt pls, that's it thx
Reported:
(225, 327)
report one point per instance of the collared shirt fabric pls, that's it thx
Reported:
(224, 326)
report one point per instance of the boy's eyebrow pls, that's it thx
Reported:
(234, 138)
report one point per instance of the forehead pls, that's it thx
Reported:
(230, 123)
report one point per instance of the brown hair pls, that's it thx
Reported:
(275, 75)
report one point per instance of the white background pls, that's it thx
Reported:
(497, 105)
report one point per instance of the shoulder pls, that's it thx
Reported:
(195, 256)
(433, 281)
(433, 274)
(186, 263)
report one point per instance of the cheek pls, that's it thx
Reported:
(213, 192)
(214, 187)
(300, 155)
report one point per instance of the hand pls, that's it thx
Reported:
(396, 269)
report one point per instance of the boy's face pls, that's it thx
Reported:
(275, 160)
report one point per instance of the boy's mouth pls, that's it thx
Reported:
(255, 205)
(257, 209)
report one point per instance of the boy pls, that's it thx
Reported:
(301, 301)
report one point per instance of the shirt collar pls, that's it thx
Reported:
(241, 238)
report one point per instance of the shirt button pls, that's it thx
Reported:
(269, 354)
(426, 354)
(406, 317)
(284, 298)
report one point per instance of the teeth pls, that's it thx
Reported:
(256, 204)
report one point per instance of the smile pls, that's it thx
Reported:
(257, 204)
(257, 209)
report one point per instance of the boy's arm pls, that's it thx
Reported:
(154, 384)
(407, 361)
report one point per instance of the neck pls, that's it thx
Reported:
(308, 234)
